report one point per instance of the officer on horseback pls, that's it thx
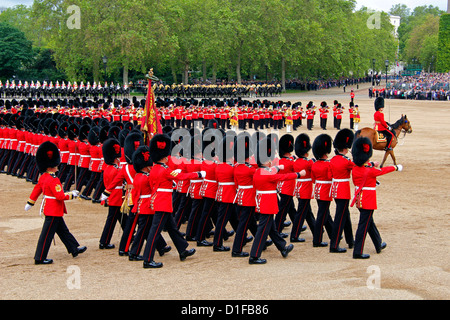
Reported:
(380, 124)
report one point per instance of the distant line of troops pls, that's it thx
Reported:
(74, 90)
(152, 188)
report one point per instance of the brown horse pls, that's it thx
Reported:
(402, 124)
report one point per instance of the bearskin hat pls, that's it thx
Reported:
(265, 151)
(103, 133)
(302, 144)
(286, 144)
(211, 139)
(361, 150)
(132, 142)
(113, 132)
(122, 135)
(84, 132)
(141, 158)
(243, 148)
(20, 122)
(111, 150)
(160, 147)
(213, 123)
(94, 136)
(344, 139)
(47, 156)
(322, 145)
(379, 103)
(72, 131)
(226, 147)
(195, 142)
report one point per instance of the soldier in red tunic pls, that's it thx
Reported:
(285, 188)
(113, 193)
(226, 191)
(161, 183)
(341, 168)
(245, 195)
(209, 186)
(303, 188)
(53, 207)
(96, 155)
(380, 124)
(142, 164)
(365, 180)
(265, 181)
(321, 176)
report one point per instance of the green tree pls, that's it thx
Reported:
(443, 56)
(15, 50)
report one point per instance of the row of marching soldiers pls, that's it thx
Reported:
(213, 178)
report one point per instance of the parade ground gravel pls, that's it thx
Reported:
(413, 218)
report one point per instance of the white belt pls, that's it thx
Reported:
(266, 192)
(96, 159)
(13, 140)
(164, 190)
(369, 188)
(323, 182)
(47, 197)
(245, 187)
(145, 196)
(226, 183)
(212, 181)
(303, 180)
(341, 180)
(64, 151)
(84, 155)
(196, 181)
(118, 187)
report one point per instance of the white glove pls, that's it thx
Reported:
(103, 197)
(177, 170)
(302, 173)
(75, 193)
(28, 207)
(399, 167)
(203, 174)
(281, 167)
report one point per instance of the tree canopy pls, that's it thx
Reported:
(182, 40)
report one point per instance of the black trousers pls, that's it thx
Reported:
(342, 223)
(304, 212)
(83, 177)
(266, 228)
(226, 213)
(366, 225)
(194, 217)
(246, 221)
(51, 226)
(207, 219)
(114, 215)
(70, 178)
(92, 183)
(144, 223)
(163, 220)
(323, 220)
(285, 204)
(309, 123)
(20, 156)
(184, 208)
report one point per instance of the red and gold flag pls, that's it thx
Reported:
(150, 121)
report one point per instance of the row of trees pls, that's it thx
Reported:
(209, 39)
(418, 34)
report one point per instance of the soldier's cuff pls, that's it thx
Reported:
(31, 202)
(69, 194)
